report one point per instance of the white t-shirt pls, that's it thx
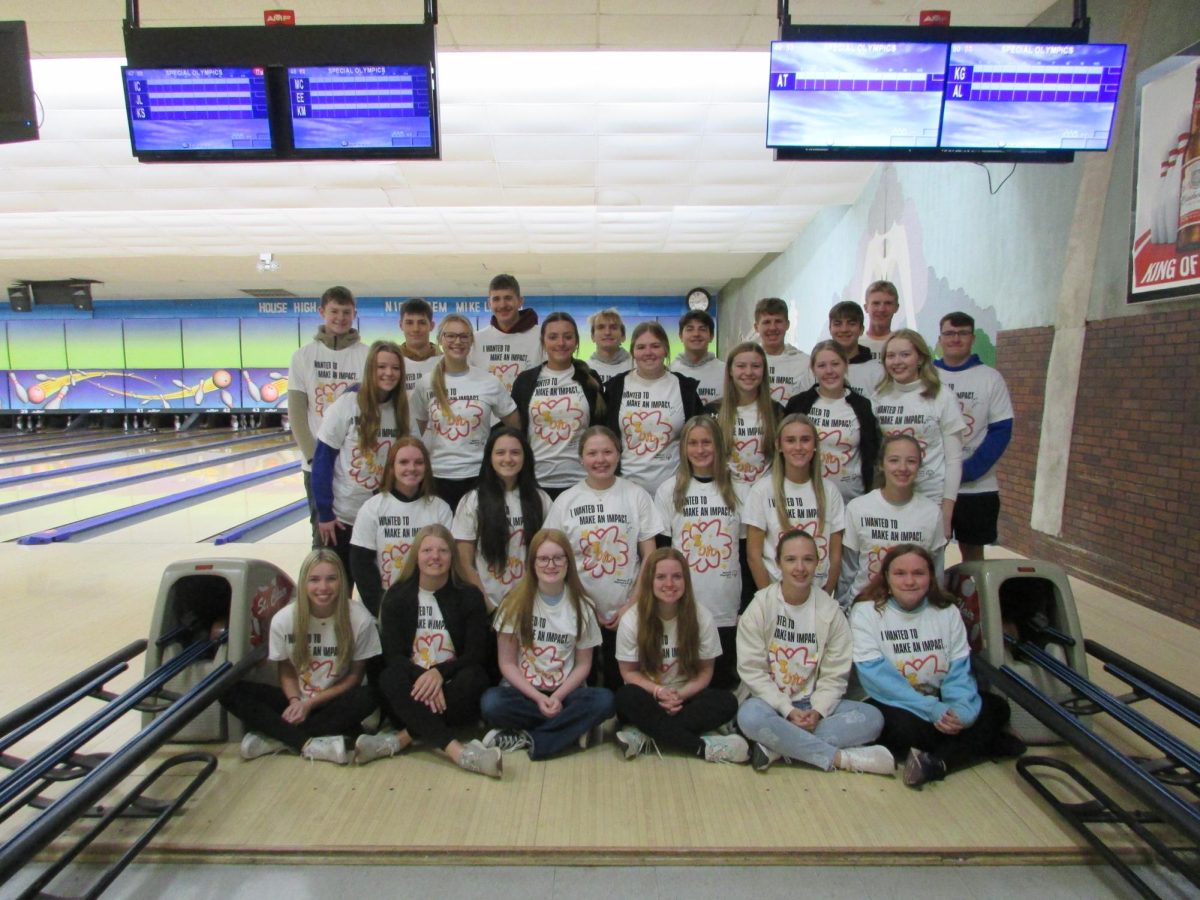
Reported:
(671, 675)
(356, 476)
(609, 370)
(920, 644)
(747, 460)
(710, 374)
(387, 525)
(323, 375)
(759, 512)
(432, 644)
(552, 657)
(790, 374)
(706, 533)
(982, 399)
(604, 529)
(874, 526)
(415, 370)
(506, 355)
(875, 345)
(864, 376)
(650, 419)
(466, 528)
(558, 413)
(456, 442)
(838, 428)
(322, 645)
(900, 409)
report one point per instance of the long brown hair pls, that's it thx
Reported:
(815, 477)
(371, 401)
(516, 609)
(437, 379)
(880, 474)
(877, 590)
(926, 370)
(583, 375)
(428, 489)
(301, 654)
(720, 472)
(727, 412)
(650, 626)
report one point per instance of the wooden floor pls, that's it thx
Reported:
(70, 604)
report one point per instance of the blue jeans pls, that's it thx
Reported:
(583, 708)
(851, 724)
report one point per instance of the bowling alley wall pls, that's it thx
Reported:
(148, 356)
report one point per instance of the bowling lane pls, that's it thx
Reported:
(128, 464)
(38, 518)
(35, 460)
(207, 518)
(299, 533)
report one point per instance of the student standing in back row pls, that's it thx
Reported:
(512, 343)
(696, 328)
(319, 373)
(987, 409)
(420, 353)
(787, 368)
(882, 302)
(608, 332)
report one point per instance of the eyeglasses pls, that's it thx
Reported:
(458, 337)
(960, 333)
(555, 561)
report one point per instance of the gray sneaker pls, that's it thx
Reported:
(761, 758)
(328, 749)
(632, 742)
(485, 760)
(726, 748)
(255, 745)
(508, 740)
(369, 747)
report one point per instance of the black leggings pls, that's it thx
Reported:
(260, 708)
(902, 730)
(462, 694)
(704, 712)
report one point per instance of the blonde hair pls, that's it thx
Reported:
(720, 472)
(815, 467)
(437, 379)
(832, 347)
(727, 411)
(370, 402)
(516, 609)
(409, 571)
(650, 626)
(926, 371)
(301, 655)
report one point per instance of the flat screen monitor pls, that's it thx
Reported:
(363, 111)
(1010, 96)
(18, 118)
(855, 94)
(208, 113)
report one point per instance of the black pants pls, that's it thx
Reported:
(454, 489)
(605, 670)
(462, 694)
(748, 586)
(312, 510)
(342, 549)
(902, 730)
(706, 711)
(260, 708)
(725, 673)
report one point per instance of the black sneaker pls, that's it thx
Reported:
(761, 758)
(1008, 746)
(922, 768)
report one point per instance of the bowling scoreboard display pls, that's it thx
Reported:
(980, 100)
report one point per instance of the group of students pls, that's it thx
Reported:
(688, 553)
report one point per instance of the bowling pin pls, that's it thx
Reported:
(56, 403)
(200, 393)
(22, 394)
(251, 387)
(227, 398)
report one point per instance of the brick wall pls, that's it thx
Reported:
(1131, 522)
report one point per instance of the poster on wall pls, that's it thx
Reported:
(1166, 201)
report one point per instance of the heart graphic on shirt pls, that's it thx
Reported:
(465, 416)
(790, 665)
(706, 545)
(604, 551)
(320, 672)
(969, 419)
(365, 469)
(392, 562)
(555, 420)
(746, 462)
(919, 672)
(506, 372)
(779, 393)
(875, 559)
(645, 432)
(514, 566)
(429, 649)
(810, 526)
(326, 393)
(911, 431)
(542, 666)
(835, 452)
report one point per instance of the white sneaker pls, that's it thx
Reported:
(632, 742)
(507, 740)
(761, 758)
(370, 747)
(875, 759)
(726, 748)
(256, 745)
(485, 760)
(327, 749)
